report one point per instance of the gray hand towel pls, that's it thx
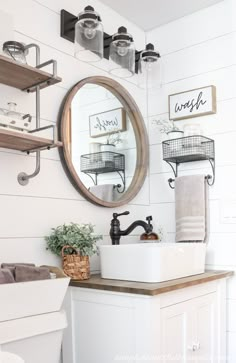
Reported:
(191, 208)
(12, 266)
(104, 192)
(7, 265)
(29, 273)
(6, 276)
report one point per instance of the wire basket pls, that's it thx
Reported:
(102, 162)
(190, 148)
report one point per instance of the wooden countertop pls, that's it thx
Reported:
(150, 289)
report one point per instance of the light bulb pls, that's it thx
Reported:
(89, 33)
(149, 66)
(122, 51)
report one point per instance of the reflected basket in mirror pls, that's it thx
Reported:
(103, 162)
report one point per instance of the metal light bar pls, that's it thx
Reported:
(68, 21)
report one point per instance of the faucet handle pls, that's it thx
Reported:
(116, 215)
(149, 219)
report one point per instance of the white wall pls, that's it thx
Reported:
(28, 213)
(200, 50)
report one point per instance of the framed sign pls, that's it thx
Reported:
(107, 122)
(194, 103)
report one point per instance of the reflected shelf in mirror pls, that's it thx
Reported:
(104, 162)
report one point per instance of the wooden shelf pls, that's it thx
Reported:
(14, 140)
(24, 77)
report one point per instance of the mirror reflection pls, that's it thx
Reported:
(102, 142)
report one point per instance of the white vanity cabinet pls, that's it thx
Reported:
(179, 325)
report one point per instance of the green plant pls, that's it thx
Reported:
(79, 236)
(165, 126)
(114, 138)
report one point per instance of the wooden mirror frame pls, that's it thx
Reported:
(140, 136)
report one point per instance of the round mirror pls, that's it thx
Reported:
(105, 148)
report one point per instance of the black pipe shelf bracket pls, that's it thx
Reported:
(68, 22)
(188, 149)
(104, 162)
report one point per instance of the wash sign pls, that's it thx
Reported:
(194, 103)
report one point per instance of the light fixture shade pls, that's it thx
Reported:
(149, 70)
(89, 36)
(122, 54)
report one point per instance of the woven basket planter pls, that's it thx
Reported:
(75, 266)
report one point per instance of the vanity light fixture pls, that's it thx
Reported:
(149, 68)
(122, 54)
(89, 36)
(93, 44)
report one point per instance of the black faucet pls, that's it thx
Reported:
(116, 232)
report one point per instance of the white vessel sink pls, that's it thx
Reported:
(152, 262)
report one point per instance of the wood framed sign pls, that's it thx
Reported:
(194, 103)
(107, 122)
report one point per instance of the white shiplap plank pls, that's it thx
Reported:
(33, 217)
(202, 58)
(195, 28)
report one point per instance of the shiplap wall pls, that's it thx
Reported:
(197, 50)
(28, 213)
(200, 50)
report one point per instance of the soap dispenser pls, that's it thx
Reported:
(152, 236)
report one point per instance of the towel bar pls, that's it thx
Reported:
(207, 177)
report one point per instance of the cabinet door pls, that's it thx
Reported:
(188, 331)
(176, 327)
(205, 328)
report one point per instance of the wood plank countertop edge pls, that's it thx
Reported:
(150, 289)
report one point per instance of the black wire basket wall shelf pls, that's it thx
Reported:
(104, 162)
(188, 149)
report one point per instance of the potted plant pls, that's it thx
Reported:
(75, 243)
(169, 128)
(112, 139)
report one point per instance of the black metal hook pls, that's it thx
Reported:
(170, 181)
